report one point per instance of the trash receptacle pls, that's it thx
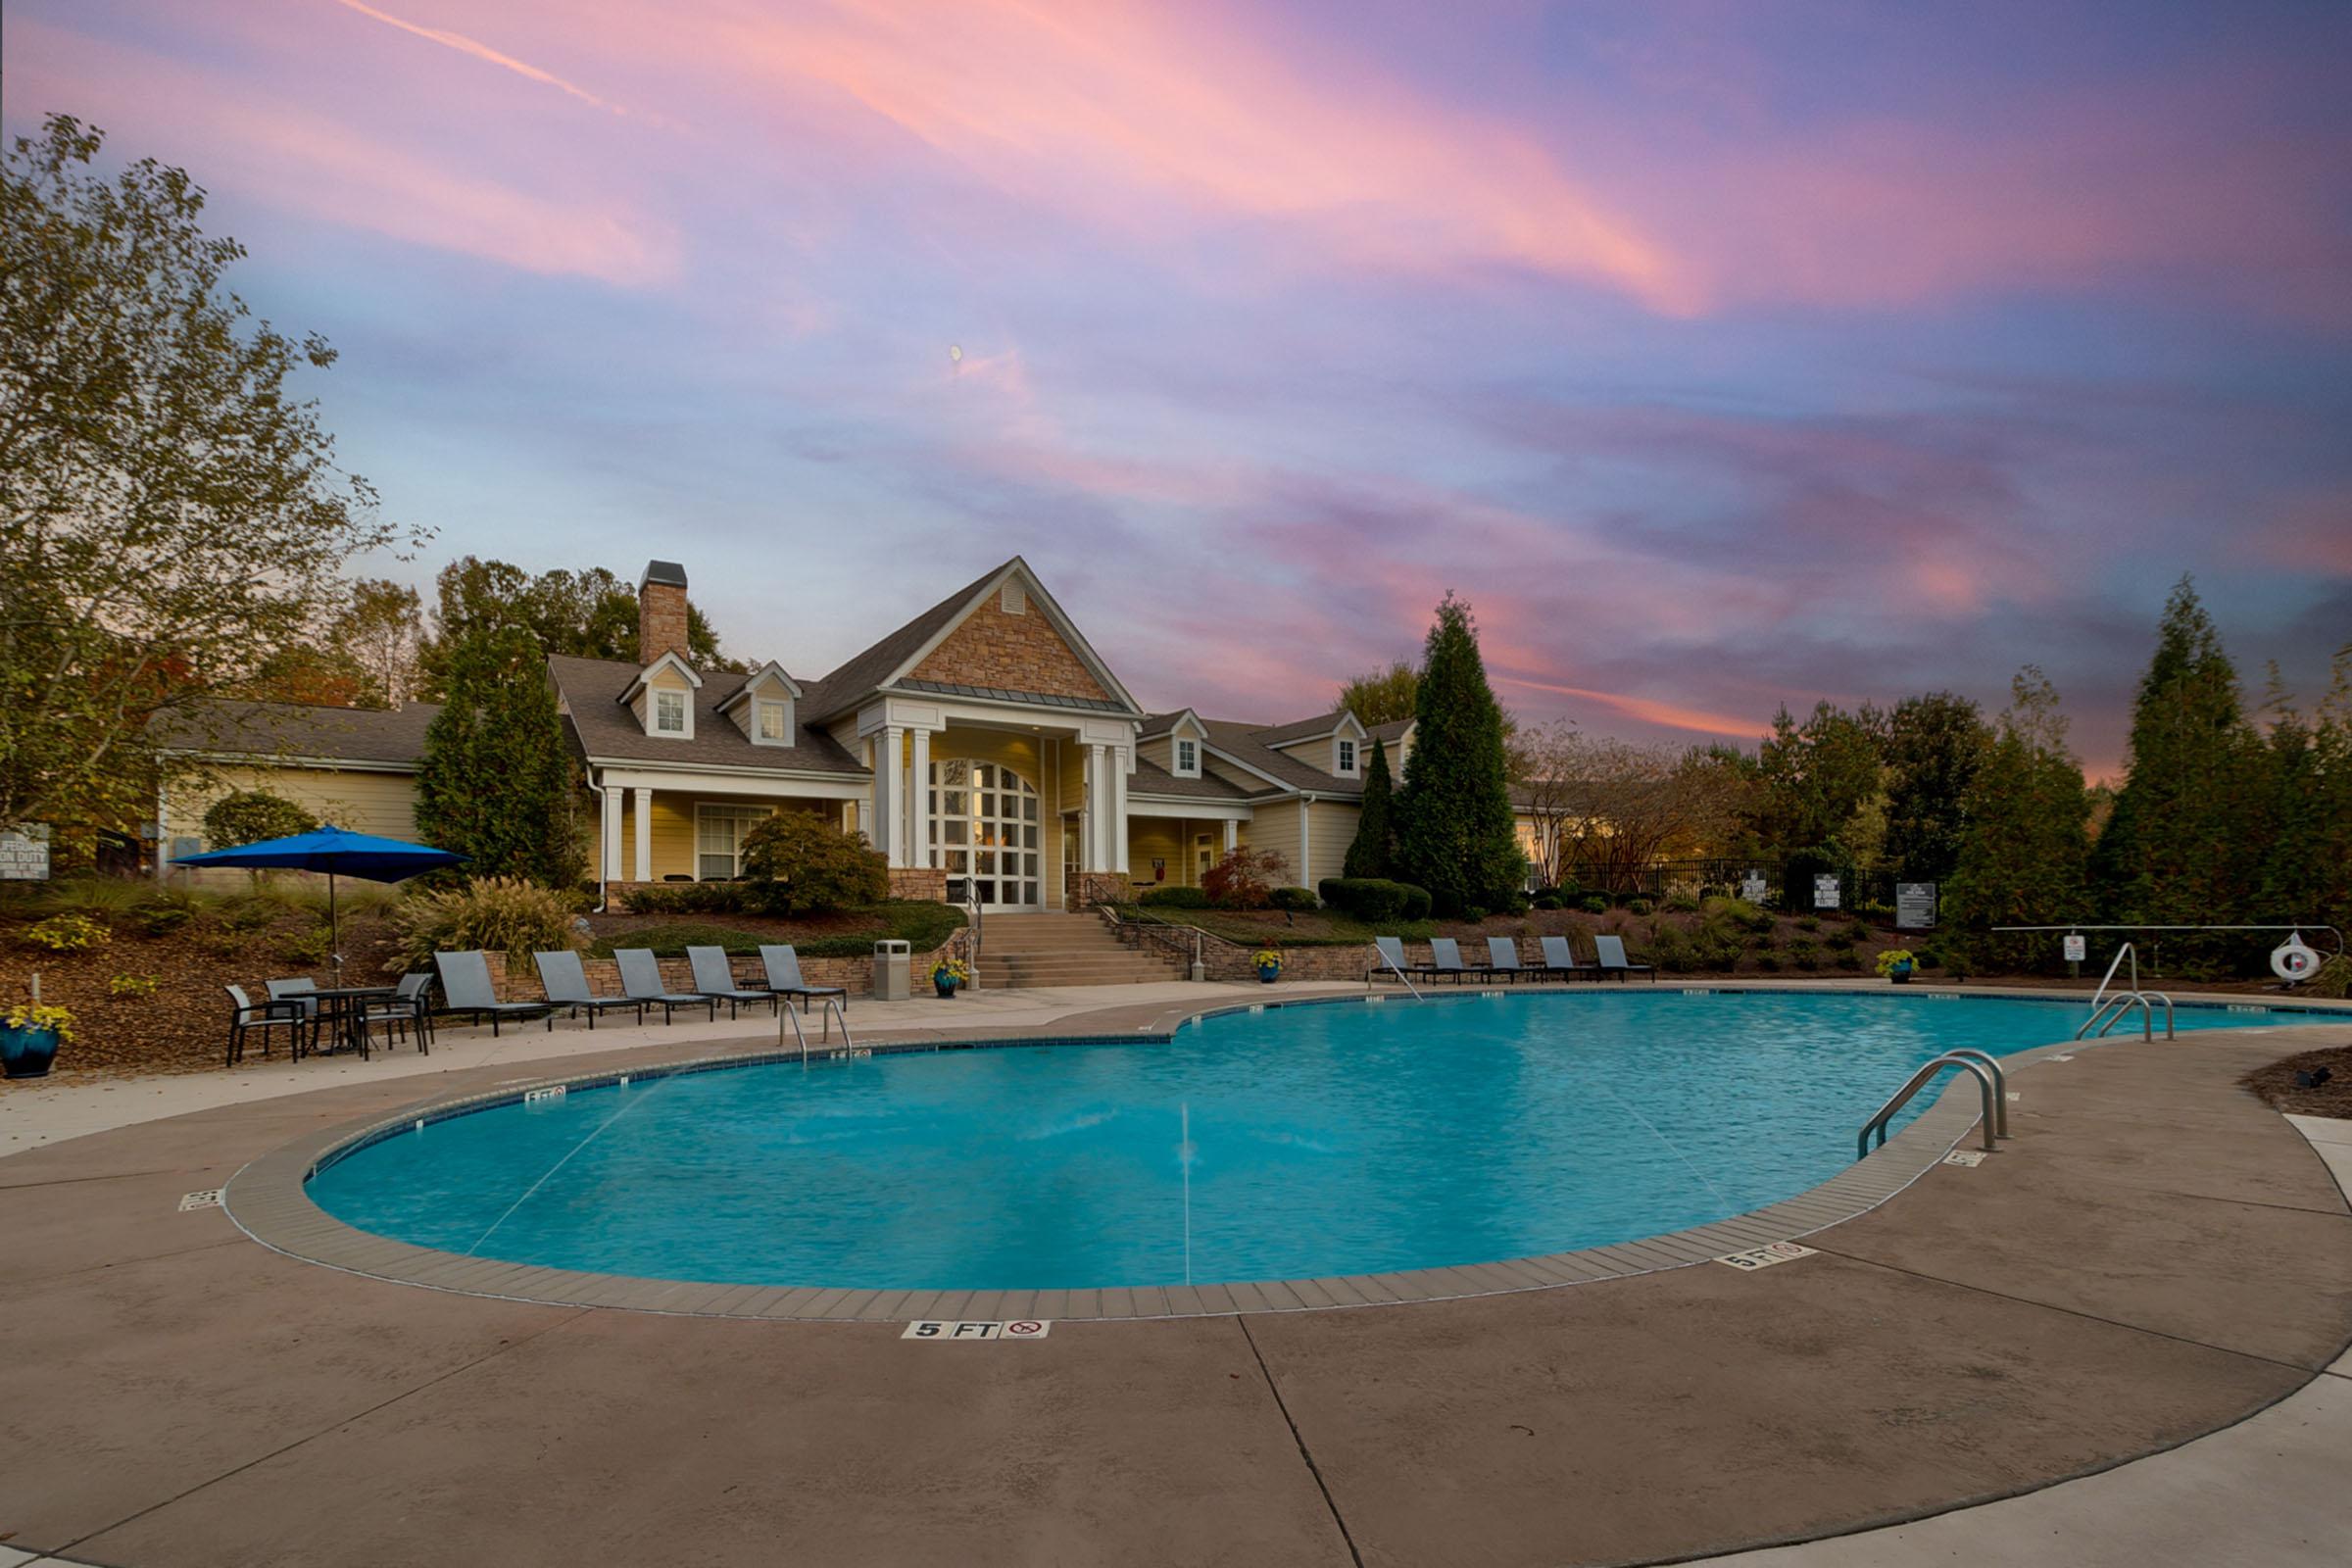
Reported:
(892, 979)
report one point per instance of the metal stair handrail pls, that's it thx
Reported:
(833, 1009)
(1962, 1060)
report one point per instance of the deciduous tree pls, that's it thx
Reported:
(171, 514)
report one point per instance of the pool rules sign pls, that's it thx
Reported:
(1914, 906)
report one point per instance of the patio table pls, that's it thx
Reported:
(345, 1008)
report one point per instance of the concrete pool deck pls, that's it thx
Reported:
(2154, 1257)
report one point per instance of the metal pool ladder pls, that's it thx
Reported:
(2107, 1012)
(1992, 1086)
(833, 1010)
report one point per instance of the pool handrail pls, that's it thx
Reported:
(1384, 961)
(1920, 1080)
(833, 1010)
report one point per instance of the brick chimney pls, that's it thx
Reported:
(662, 611)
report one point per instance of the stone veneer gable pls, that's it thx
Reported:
(1014, 653)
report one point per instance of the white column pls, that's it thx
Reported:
(641, 805)
(889, 794)
(1091, 832)
(608, 838)
(919, 801)
(1233, 835)
(1118, 809)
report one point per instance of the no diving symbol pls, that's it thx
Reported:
(1026, 1329)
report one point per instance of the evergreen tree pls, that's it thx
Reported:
(1814, 777)
(2024, 850)
(2307, 873)
(1375, 843)
(496, 780)
(1933, 748)
(1455, 831)
(2185, 840)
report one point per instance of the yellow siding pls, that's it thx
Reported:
(1151, 838)
(1332, 829)
(1275, 826)
(382, 804)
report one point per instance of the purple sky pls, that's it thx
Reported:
(1722, 354)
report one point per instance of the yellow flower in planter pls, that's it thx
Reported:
(952, 971)
(1266, 959)
(32, 1015)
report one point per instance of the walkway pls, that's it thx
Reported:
(2153, 1257)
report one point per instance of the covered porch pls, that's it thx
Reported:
(689, 827)
(1173, 844)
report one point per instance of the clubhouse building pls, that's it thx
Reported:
(984, 748)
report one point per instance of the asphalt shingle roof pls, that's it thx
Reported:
(298, 729)
(606, 726)
(857, 676)
(1242, 742)
(1152, 779)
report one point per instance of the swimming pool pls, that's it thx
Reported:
(1296, 1142)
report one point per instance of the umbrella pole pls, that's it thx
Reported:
(334, 931)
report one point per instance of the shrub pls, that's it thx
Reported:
(1474, 915)
(312, 948)
(248, 816)
(1373, 899)
(1546, 901)
(665, 899)
(1805, 955)
(1681, 903)
(1595, 904)
(1769, 963)
(1928, 958)
(131, 985)
(1245, 878)
(1291, 899)
(799, 863)
(1418, 901)
(68, 933)
(165, 915)
(1175, 898)
(715, 898)
(1638, 907)
(1806, 922)
(506, 914)
(1848, 959)
(1859, 931)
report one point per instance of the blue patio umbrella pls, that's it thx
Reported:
(337, 852)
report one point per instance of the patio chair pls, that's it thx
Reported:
(783, 966)
(1560, 958)
(1445, 959)
(565, 981)
(1611, 952)
(1393, 961)
(408, 1010)
(466, 988)
(244, 1017)
(1502, 958)
(714, 977)
(641, 981)
(298, 993)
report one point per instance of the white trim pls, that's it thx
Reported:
(771, 670)
(759, 706)
(608, 836)
(1348, 764)
(1177, 766)
(632, 774)
(1306, 844)
(919, 801)
(323, 765)
(653, 713)
(1188, 806)
(641, 808)
(645, 676)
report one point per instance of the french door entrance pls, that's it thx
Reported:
(984, 826)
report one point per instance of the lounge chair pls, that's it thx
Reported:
(783, 966)
(409, 1007)
(714, 977)
(1611, 952)
(1445, 959)
(565, 981)
(1559, 959)
(244, 1017)
(1393, 961)
(466, 988)
(298, 992)
(641, 981)
(1502, 958)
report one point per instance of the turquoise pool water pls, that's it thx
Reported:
(1298, 1141)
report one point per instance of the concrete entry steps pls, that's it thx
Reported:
(1062, 949)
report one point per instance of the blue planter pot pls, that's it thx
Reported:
(947, 988)
(26, 1053)
(1900, 975)
(1268, 973)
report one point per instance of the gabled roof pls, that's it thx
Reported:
(884, 664)
(1150, 779)
(1321, 726)
(770, 668)
(1158, 724)
(224, 727)
(593, 695)
(645, 676)
(1240, 745)
(1394, 730)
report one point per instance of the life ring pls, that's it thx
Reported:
(2292, 962)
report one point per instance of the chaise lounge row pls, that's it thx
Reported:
(1502, 960)
(465, 986)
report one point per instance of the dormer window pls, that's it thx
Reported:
(670, 712)
(1188, 758)
(774, 726)
(1347, 759)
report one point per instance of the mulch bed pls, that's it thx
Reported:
(2276, 1087)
